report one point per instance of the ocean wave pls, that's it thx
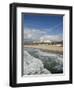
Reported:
(38, 59)
(33, 65)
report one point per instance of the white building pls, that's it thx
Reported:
(45, 40)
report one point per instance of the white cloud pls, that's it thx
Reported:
(33, 34)
(36, 34)
(52, 37)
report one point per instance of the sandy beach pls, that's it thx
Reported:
(47, 48)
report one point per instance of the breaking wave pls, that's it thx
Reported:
(36, 62)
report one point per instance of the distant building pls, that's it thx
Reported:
(46, 41)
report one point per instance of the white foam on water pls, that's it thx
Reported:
(33, 65)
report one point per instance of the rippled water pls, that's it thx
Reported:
(51, 62)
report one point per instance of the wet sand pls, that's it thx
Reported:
(47, 48)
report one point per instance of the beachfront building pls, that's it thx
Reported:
(44, 40)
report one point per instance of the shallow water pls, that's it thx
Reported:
(51, 62)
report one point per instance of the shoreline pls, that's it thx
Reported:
(50, 51)
(47, 48)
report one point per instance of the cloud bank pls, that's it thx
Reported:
(36, 34)
(52, 37)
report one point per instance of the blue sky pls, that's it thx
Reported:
(50, 24)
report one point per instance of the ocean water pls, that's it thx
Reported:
(36, 62)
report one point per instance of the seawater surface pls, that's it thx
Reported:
(36, 62)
